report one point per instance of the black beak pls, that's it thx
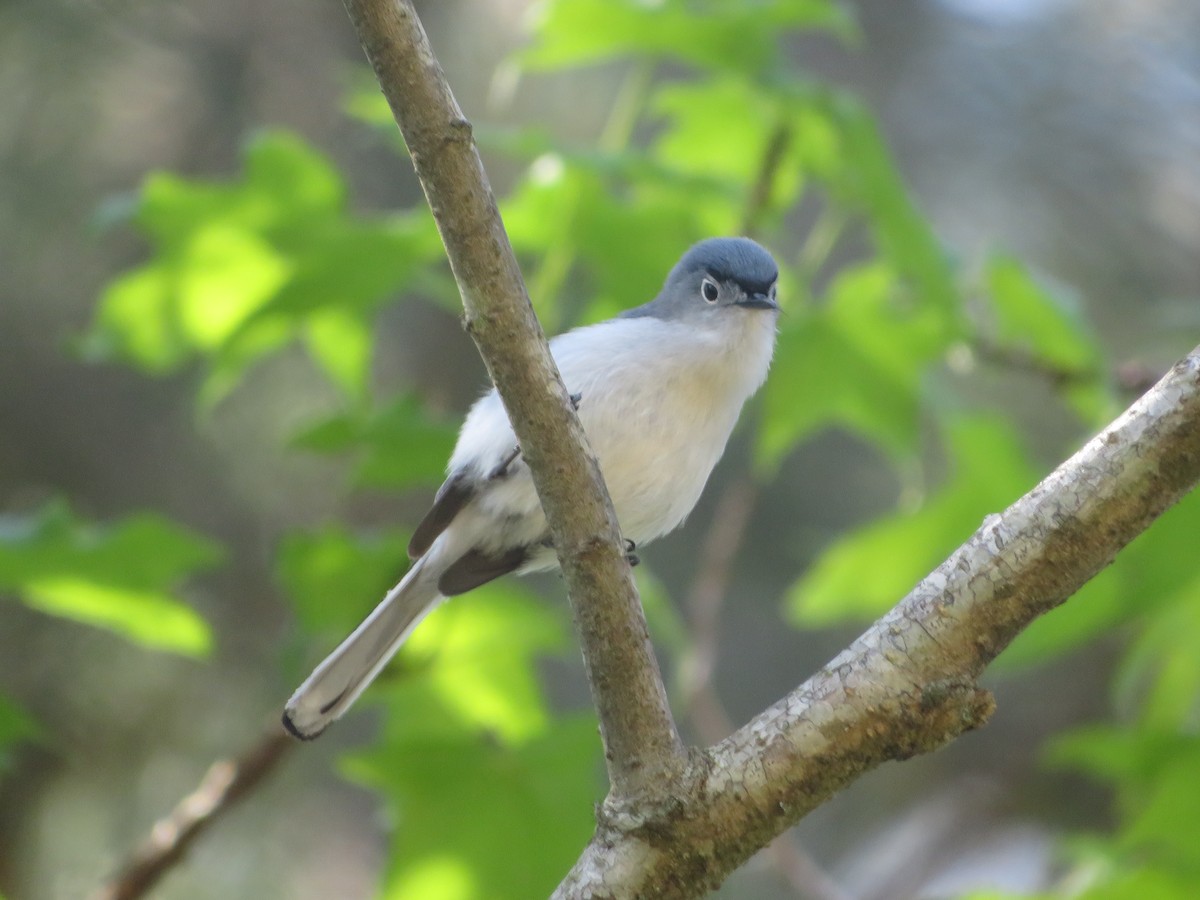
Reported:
(757, 301)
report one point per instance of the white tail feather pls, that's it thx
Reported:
(336, 683)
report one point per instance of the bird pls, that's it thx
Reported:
(658, 390)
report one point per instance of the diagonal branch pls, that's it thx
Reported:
(908, 684)
(226, 782)
(642, 747)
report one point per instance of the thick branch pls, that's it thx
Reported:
(907, 685)
(642, 747)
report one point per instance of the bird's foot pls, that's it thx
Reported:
(633, 558)
(502, 468)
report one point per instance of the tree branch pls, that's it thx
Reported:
(642, 748)
(908, 684)
(703, 604)
(226, 782)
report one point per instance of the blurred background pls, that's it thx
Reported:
(1065, 133)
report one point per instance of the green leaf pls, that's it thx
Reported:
(469, 751)
(1164, 659)
(1143, 883)
(334, 577)
(364, 101)
(742, 37)
(398, 447)
(1153, 771)
(241, 269)
(1032, 321)
(857, 363)
(145, 617)
(1166, 825)
(452, 796)
(738, 110)
(1160, 674)
(116, 577)
(1121, 755)
(1157, 569)
(821, 379)
(989, 470)
(620, 217)
(341, 343)
(839, 143)
(478, 657)
(223, 276)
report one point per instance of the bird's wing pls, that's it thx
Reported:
(451, 497)
(476, 567)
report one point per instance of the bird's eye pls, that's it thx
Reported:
(709, 290)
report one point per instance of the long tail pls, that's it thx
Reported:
(336, 683)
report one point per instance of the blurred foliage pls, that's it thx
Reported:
(240, 269)
(740, 38)
(117, 577)
(470, 751)
(878, 328)
(400, 446)
(846, 582)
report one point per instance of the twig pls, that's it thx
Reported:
(642, 748)
(1136, 377)
(1131, 377)
(1019, 359)
(700, 700)
(764, 185)
(703, 603)
(226, 782)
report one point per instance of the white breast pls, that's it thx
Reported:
(659, 400)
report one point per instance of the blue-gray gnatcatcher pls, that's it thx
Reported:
(658, 390)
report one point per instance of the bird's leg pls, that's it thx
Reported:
(633, 558)
(502, 467)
